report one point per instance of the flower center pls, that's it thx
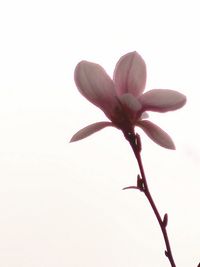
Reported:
(124, 118)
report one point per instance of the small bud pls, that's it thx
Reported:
(138, 142)
(166, 254)
(138, 180)
(140, 183)
(165, 220)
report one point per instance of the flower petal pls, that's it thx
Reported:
(144, 115)
(159, 136)
(94, 84)
(162, 100)
(90, 129)
(130, 74)
(129, 101)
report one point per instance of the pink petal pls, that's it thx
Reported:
(144, 115)
(90, 129)
(130, 74)
(162, 100)
(159, 136)
(129, 101)
(94, 84)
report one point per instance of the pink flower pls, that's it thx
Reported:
(122, 99)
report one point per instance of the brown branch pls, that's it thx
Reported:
(142, 185)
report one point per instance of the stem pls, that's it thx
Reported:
(142, 185)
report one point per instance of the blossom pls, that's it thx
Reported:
(122, 98)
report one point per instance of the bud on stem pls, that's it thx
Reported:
(165, 220)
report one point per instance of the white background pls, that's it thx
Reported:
(61, 204)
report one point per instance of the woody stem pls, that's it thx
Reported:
(142, 185)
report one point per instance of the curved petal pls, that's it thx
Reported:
(90, 129)
(130, 74)
(162, 100)
(94, 84)
(129, 101)
(159, 136)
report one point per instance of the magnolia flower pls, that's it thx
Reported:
(122, 99)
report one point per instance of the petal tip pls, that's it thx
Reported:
(130, 74)
(89, 130)
(75, 138)
(172, 147)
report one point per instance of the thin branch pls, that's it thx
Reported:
(142, 185)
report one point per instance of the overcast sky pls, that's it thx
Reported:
(61, 204)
